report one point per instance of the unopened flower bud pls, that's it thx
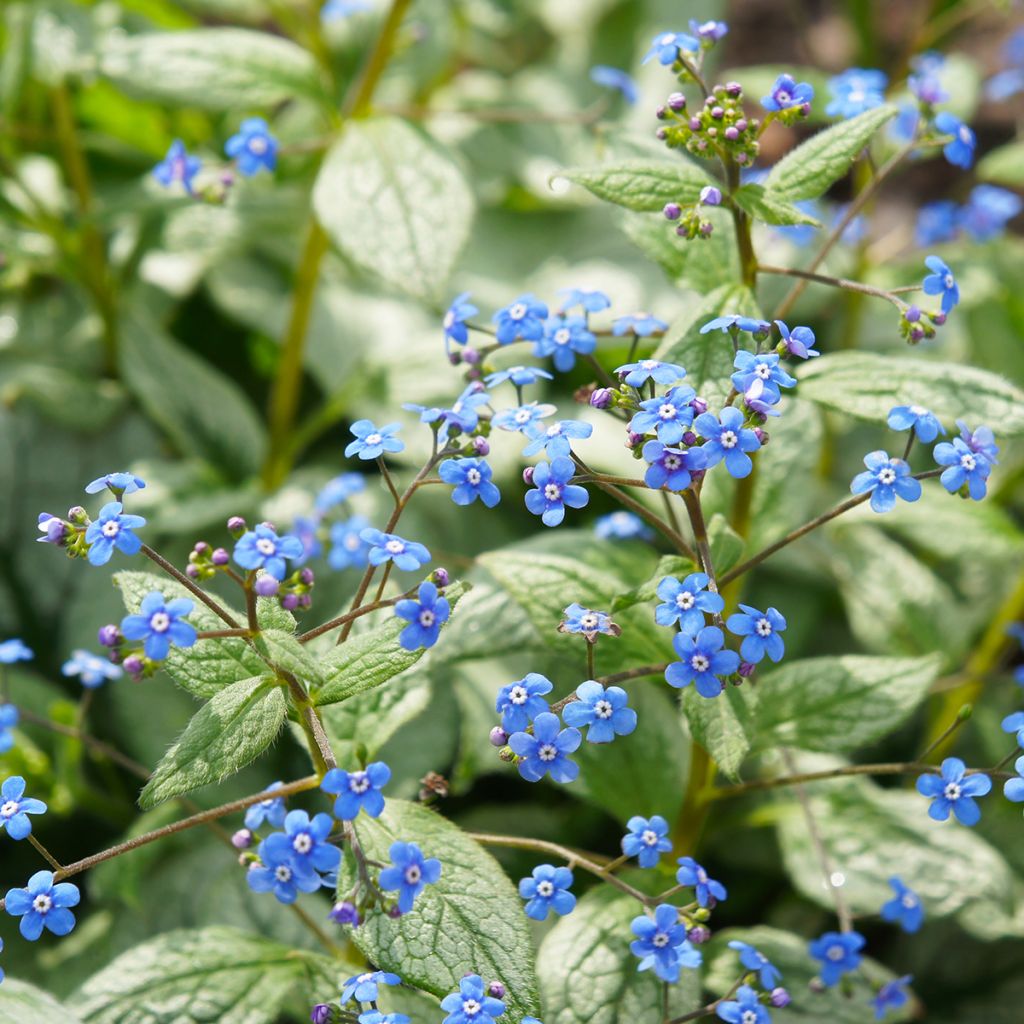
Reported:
(133, 665)
(661, 134)
(602, 398)
(939, 319)
(741, 158)
(78, 515)
(746, 669)
(761, 435)
(242, 839)
(471, 356)
(689, 438)
(481, 446)
(733, 89)
(266, 586)
(634, 440)
(698, 405)
(916, 333)
(732, 133)
(394, 912)
(672, 211)
(440, 578)
(677, 102)
(661, 113)
(321, 1014)
(695, 124)
(528, 475)
(817, 985)
(698, 934)
(717, 113)
(498, 737)
(710, 196)
(220, 556)
(307, 576)
(741, 124)
(201, 547)
(912, 315)
(236, 526)
(109, 635)
(344, 912)
(506, 754)
(192, 571)
(706, 227)
(780, 997)
(805, 109)
(290, 602)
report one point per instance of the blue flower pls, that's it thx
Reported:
(744, 1009)
(590, 300)
(926, 81)
(372, 441)
(518, 419)
(703, 661)
(307, 529)
(113, 529)
(304, 840)
(524, 318)
(667, 47)
(276, 872)
(118, 483)
(363, 988)
(41, 904)
(904, 908)
(668, 416)
(376, 1017)
(685, 603)
(552, 491)
(554, 440)
(464, 414)
(546, 891)
(410, 873)
(988, 210)
(471, 479)
(787, 93)
(643, 325)
(160, 623)
(1013, 789)
(615, 78)
(954, 791)
(647, 839)
(760, 632)
(941, 282)
(262, 548)
(839, 953)
(520, 376)
(708, 32)
(925, 424)
(672, 468)
(1011, 723)
(754, 960)
(8, 720)
(337, 9)
(254, 149)
(959, 151)
(799, 342)
(963, 467)
(521, 702)
(586, 621)
(661, 943)
(637, 374)
(455, 318)
(348, 549)
(707, 890)
(545, 752)
(763, 367)
(178, 166)
(622, 525)
(471, 1004)
(339, 489)
(357, 791)
(892, 995)
(91, 669)
(14, 650)
(52, 528)
(15, 807)
(426, 615)
(734, 320)
(563, 339)
(604, 711)
(388, 547)
(271, 810)
(856, 90)
(887, 479)
(981, 441)
(727, 439)
(937, 222)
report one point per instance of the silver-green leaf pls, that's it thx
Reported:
(770, 207)
(642, 185)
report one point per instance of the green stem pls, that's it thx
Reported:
(744, 242)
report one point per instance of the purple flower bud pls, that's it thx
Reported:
(305, 601)
(697, 475)
(52, 528)
(698, 405)
(916, 333)
(734, 88)
(689, 438)
(77, 515)
(290, 602)
(471, 356)
(344, 912)
(762, 435)
(780, 997)
(747, 669)
(307, 576)
(672, 211)
(242, 839)
(192, 571)
(710, 196)
(266, 586)
(682, 230)
(805, 109)
(109, 636)
(496, 989)
(706, 227)
(661, 134)
(702, 145)
(133, 665)
(695, 124)
(321, 1014)
(634, 439)
(481, 446)
(528, 475)
(440, 578)
(732, 133)
(698, 934)
(717, 113)
(939, 319)
(601, 398)
(677, 102)
(741, 158)
(455, 357)
(236, 524)
(498, 737)
(661, 113)
(912, 315)
(394, 912)
(201, 547)
(712, 132)
(741, 124)
(220, 556)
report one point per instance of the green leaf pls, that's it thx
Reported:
(770, 207)
(1004, 165)
(725, 726)
(22, 1003)
(287, 654)
(211, 68)
(470, 920)
(839, 704)
(868, 384)
(393, 201)
(211, 975)
(727, 545)
(370, 659)
(73, 401)
(642, 185)
(229, 732)
(588, 974)
(807, 171)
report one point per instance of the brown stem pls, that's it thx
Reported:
(347, 617)
(198, 592)
(45, 853)
(838, 282)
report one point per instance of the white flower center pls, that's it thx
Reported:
(702, 876)
(265, 546)
(555, 430)
(111, 528)
(856, 96)
(523, 416)
(660, 940)
(763, 627)
(449, 318)
(685, 600)
(42, 903)
(968, 462)
(887, 476)
(358, 782)
(258, 145)
(952, 791)
(749, 1017)
(160, 622)
(666, 39)
(302, 843)
(427, 618)
(364, 977)
(671, 462)
(562, 336)
(700, 663)
(547, 752)
(351, 542)
(552, 492)
(908, 900)
(782, 97)
(728, 439)
(470, 1007)
(372, 439)
(283, 873)
(649, 837)
(394, 547)
(518, 695)
(9, 809)
(965, 136)
(589, 621)
(948, 281)
(473, 476)
(919, 410)
(412, 875)
(649, 364)
(763, 370)
(517, 311)
(545, 889)
(835, 953)
(603, 709)
(668, 412)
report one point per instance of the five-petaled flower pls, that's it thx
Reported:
(15, 807)
(887, 479)
(1015, 723)
(470, 479)
(754, 960)
(523, 318)
(760, 632)
(160, 623)
(637, 374)
(546, 751)
(686, 603)
(587, 622)
(661, 943)
(521, 702)
(726, 439)
(959, 151)
(647, 839)
(41, 904)
(410, 873)
(552, 491)
(253, 148)
(799, 341)
(455, 317)
(744, 1009)
(733, 321)
(925, 424)
(590, 300)
(547, 890)
(471, 1004)
(604, 712)
(615, 78)
(668, 47)
(672, 468)
(702, 661)
(668, 416)
(262, 548)
(15, 650)
(941, 281)
(304, 841)
(904, 908)
(372, 441)
(787, 92)
(116, 483)
(839, 953)
(388, 547)
(363, 988)
(520, 376)
(954, 790)
(555, 440)
(963, 467)
(522, 417)
(357, 791)
(113, 529)
(707, 890)
(462, 416)
(178, 166)
(271, 810)
(91, 669)
(763, 367)
(856, 90)
(348, 549)
(425, 615)
(563, 338)
(275, 872)
(622, 525)
(892, 995)
(643, 325)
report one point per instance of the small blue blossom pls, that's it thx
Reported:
(563, 339)
(787, 93)
(959, 151)
(1011, 723)
(116, 483)
(924, 423)
(52, 529)
(8, 720)
(522, 417)
(643, 325)
(160, 623)
(357, 791)
(14, 650)
(615, 78)
(904, 908)
(764, 367)
(887, 479)
(672, 468)
(471, 1004)
(113, 529)
(410, 873)
(307, 530)
(339, 489)
(856, 90)
(519, 703)
(981, 441)
(637, 374)
(178, 166)
(622, 525)
(988, 210)
(708, 32)
(685, 603)
(253, 149)
(647, 839)
(963, 467)
(91, 669)
(892, 995)
(304, 841)
(547, 891)
(590, 300)
(464, 413)
(552, 491)
(426, 615)
(728, 440)
(276, 872)
(734, 320)
(348, 549)
(937, 222)
(524, 318)
(41, 904)
(954, 791)
(941, 282)
(753, 959)
(744, 1009)
(668, 47)
(555, 440)
(839, 953)
(376, 1017)
(586, 621)
(799, 342)
(372, 441)
(388, 547)
(702, 661)
(471, 479)
(335, 10)
(520, 376)
(669, 416)
(707, 890)
(661, 944)
(271, 810)
(760, 632)
(1013, 789)
(546, 751)
(262, 548)
(926, 81)
(15, 807)
(603, 711)
(364, 988)
(455, 317)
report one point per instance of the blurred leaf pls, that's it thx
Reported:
(769, 207)
(727, 545)
(725, 726)
(642, 185)
(73, 401)
(471, 920)
(22, 1003)
(395, 203)
(286, 653)
(1003, 165)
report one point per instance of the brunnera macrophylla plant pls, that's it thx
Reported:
(412, 912)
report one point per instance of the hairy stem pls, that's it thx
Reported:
(191, 587)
